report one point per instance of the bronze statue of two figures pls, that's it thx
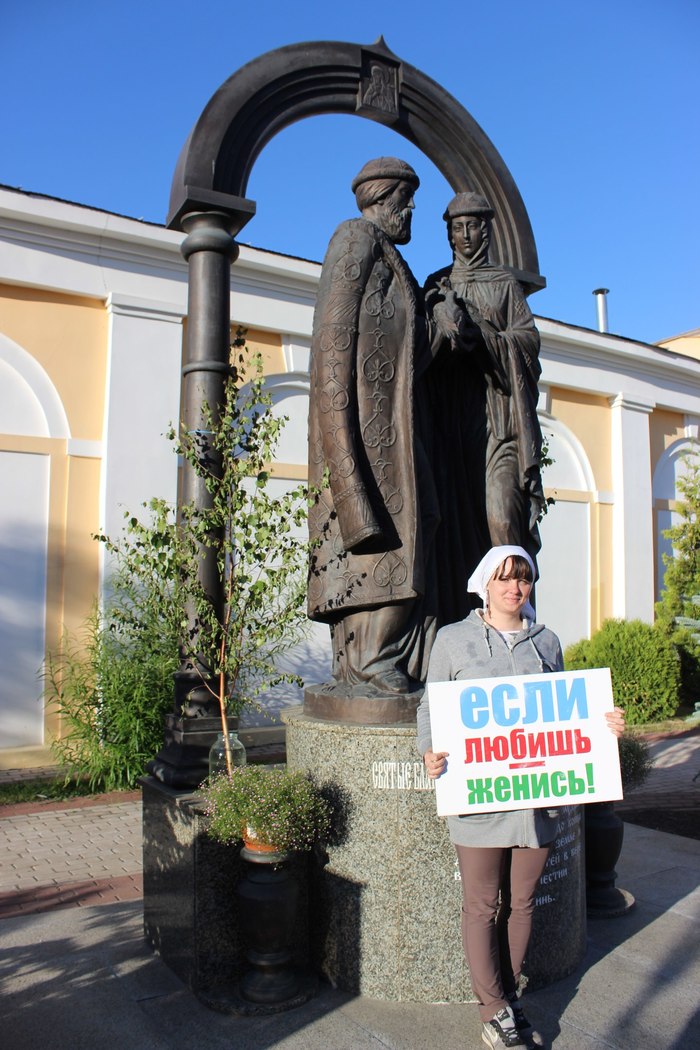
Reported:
(424, 443)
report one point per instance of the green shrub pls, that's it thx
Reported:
(112, 688)
(635, 761)
(681, 586)
(689, 654)
(112, 682)
(644, 667)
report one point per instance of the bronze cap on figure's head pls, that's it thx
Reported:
(384, 190)
(469, 203)
(385, 168)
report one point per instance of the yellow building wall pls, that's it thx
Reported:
(588, 417)
(67, 336)
(269, 346)
(665, 428)
(688, 343)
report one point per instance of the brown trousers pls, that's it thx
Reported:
(498, 899)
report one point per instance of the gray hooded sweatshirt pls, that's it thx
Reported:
(472, 649)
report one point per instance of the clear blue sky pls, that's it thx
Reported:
(593, 106)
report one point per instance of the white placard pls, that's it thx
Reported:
(524, 742)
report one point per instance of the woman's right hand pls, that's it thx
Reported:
(435, 762)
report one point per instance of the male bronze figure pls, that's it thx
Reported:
(374, 511)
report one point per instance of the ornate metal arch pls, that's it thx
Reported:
(304, 80)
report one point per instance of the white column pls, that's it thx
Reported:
(633, 535)
(142, 398)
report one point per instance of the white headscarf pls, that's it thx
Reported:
(479, 579)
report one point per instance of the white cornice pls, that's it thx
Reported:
(601, 347)
(65, 247)
(272, 282)
(68, 218)
(302, 270)
(607, 365)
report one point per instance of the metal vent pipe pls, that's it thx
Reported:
(602, 304)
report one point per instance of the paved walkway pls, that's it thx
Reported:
(73, 975)
(676, 771)
(70, 853)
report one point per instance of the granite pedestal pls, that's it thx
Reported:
(190, 904)
(386, 906)
(189, 885)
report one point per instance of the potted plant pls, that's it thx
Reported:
(269, 809)
(274, 812)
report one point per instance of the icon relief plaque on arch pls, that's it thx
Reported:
(378, 90)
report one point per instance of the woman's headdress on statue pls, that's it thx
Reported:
(468, 204)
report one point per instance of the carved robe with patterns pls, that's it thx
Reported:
(375, 508)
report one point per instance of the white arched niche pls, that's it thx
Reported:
(564, 562)
(29, 408)
(311, 657)
(672, 466)
(290, 397)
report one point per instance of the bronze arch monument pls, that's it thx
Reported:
(208, 203)
(394, 864)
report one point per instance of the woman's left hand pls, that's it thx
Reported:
(616, 721)
(435, 762)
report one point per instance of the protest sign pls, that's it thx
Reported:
(524, 742)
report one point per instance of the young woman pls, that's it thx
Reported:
(500, 854)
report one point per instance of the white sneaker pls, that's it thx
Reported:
(501, 1031)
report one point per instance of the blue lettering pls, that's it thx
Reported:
(575, 698)
(499, 695)
(538, 697)
(474, 707)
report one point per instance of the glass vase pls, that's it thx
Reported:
(217, 753)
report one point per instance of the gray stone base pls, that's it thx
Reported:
(386, 907)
